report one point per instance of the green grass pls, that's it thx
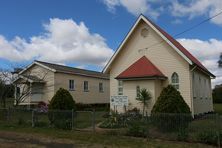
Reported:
(218, 108)
(98, 139)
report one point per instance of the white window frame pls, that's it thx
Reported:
(175, 82)
(71, 85)
(120, 87)
(137, 91)
(86, 86)
(101, 89)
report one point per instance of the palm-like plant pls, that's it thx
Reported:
(143, 97)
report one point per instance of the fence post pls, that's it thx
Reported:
(33, 120)
(7, 115)
(93, 119)
(72, 119)
(219, 127)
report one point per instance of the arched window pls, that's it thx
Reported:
(175, 80)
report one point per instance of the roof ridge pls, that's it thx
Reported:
(67, 66)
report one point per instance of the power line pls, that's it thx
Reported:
(191, 28)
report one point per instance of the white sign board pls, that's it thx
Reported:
(119, 101)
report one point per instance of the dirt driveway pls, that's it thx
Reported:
(19, 140)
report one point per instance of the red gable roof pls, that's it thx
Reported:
(181, 48)
(143, 68)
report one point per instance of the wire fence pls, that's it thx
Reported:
(180, 127)
(62, 119)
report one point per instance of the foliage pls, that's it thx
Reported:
(170, 112)
(90, 107)
(210, 136)
(217, 94)
(220, 61)
(58, 115)
(62, 100)
(138, 128)
(144, 97)
(116, 120)
(182, 134)
(42, 107)
(170, 101)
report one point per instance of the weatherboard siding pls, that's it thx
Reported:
(47, 76)
(202, 93)
(163, 56)
(93, 96)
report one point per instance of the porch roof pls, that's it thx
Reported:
(29, 78)
(142, 69)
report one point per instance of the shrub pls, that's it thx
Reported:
(138, 128)
(170, 112)
(170, 101)
(62, 100)
(209, 136)
(60, 114)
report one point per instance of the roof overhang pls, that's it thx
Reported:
(36, 63)
(142, 78)
(27, 79)
(141, 17)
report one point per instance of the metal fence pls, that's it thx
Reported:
(63, 119)
(179, 127)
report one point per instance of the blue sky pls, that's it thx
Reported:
(29, 29)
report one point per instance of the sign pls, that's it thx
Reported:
(119, 101)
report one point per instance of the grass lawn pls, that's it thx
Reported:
(218, 108)
(89, 139)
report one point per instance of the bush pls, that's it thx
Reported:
(60, 114)
(170, 112)
(138, 128)
(209, 136)
(170, 101)
(62, 100)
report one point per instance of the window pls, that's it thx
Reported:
(101, 87)
(86, 86)
(120, 87)
(71, 85)
(138, 91)
(175, 80)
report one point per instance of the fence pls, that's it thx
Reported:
(179, 127)
(63, 119)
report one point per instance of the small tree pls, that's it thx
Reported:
(170, 101)
(220, 61)
(58, 114)
(171, 112)
(144, 97)
(62, 100)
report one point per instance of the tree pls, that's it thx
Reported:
(170, 112)
(217, 94)
(62, 100)
(170, 101)
(144, 97)
(6, 87)
(220, 61)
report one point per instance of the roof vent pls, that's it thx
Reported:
(144, 32)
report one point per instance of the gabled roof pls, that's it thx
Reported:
(166, 37)
(143, 68)
(72, 70)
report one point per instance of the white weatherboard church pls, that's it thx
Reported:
(150, 58)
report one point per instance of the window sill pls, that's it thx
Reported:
(86, 91)
(71, 89)
(101, 91)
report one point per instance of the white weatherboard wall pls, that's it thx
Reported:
(162, 55)
(202, 93)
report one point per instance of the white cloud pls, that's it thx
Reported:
(63, 41)
(208, 53)
(198, 8)
(134, 7)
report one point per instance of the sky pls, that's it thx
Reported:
(85, 33)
